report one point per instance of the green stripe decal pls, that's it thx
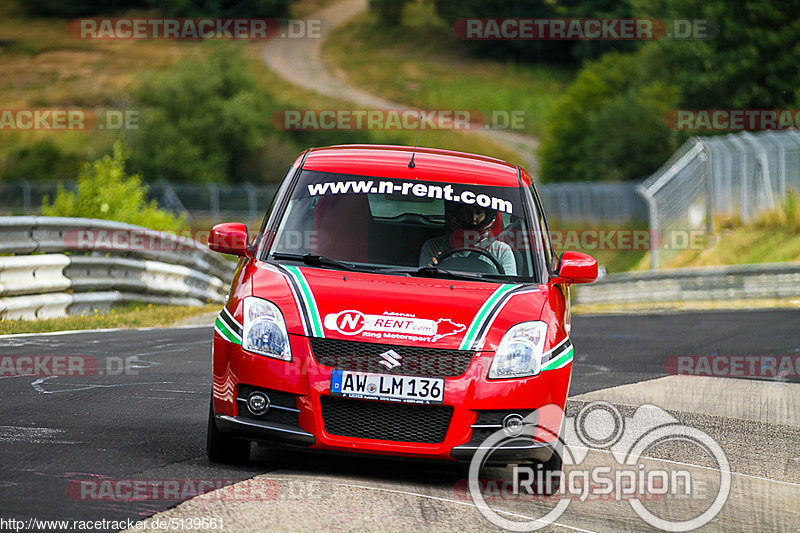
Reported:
(483, 315)
(562, 359)
(310, 303)
(222, 328)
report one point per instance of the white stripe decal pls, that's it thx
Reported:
(481, 316)
(297, 302)
(482, 340)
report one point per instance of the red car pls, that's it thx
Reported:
(395, 301)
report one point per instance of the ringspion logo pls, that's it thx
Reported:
(628, 474)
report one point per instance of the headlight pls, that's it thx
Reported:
(520, 351)
(265, 330)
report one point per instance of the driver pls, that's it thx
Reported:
(467, 226)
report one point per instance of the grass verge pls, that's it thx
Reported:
(613, 252)
(129, 315)
(421, 63)
(773, 237)
(636, 308)
(43, 67)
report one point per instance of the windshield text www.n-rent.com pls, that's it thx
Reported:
(419, 190)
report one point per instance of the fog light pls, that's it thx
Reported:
(513, 425)
(258, 403)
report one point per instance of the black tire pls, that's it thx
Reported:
(552, 466)
(221, 448)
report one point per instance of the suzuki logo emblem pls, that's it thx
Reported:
(391, 359)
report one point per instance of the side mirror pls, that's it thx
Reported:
(576, 267)
(229, 238)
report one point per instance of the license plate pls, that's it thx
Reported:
(406, 389)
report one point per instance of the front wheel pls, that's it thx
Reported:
(221, 448)
(552, 471)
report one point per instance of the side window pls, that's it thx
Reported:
(272, 212)
(545, 241)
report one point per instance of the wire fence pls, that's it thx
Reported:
(738, 175)
(565, 202)
(208, 203)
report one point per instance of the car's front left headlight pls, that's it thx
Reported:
(520, 351)
(265, 330)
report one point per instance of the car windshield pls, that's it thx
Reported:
(412, 227)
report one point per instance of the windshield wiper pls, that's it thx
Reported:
(431, 271)
(314, 260)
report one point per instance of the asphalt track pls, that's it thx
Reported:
(142, 416)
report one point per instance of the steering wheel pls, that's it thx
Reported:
(444, 255)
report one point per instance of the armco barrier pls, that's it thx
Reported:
(766, 281)
(101, 271)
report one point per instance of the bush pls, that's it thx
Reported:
(538, 51)
(390, 12)
(785, 217)
(750, 63)
(226, 8)
(43, 161)
(202, 120)
(105, 191)
(171, 8)
(78, 8)
(609, 124)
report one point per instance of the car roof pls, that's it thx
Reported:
(431, 164)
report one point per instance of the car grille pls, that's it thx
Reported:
(385, 421)
(366, 357)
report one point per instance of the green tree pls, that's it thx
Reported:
(106, 191)
(41, 161)
(202, 120)
(225, 8)
(609, 124)
(752, 62)
(390, 12)
(519, 50)
(539, 51)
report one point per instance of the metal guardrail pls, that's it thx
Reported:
(767, 281)
(106, 263)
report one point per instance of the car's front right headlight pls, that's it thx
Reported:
(264, 329)
(520, 351)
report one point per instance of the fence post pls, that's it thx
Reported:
(708, 175)
(252, 200)
(26, 196)
(213, 192)
(653, 216)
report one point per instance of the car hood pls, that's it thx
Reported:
(395, 309)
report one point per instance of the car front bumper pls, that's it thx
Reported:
(301, 389)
